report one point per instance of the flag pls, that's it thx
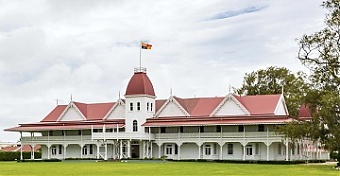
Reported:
(146, 46)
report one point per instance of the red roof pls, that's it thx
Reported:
(159, 104)
(199, 106)
(197, 121)
(140, 84)
(25, 148)
(259, 104)
(95, 111)
(304, 112)
(54, 114)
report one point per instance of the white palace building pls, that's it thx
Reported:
(232, 127)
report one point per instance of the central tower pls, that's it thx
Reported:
(140, 101)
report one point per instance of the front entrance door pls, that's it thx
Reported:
(134, 150)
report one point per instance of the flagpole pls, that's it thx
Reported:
(140, 55)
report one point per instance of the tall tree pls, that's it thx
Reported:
(320, 53)
(274, 80)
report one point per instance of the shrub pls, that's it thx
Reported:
(12, 156)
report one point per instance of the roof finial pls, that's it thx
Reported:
(170, 92)
(71, 98)
(57, 101)
(119, 94)
(229, 88)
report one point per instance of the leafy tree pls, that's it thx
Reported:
(274, 80)
(320, 53)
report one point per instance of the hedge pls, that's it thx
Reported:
(12, 156)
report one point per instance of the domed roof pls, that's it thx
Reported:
(140, 84)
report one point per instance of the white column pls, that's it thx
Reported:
(221, 151)
(98, 145)
(179, 151)
(159, 150)
(121, 150)
(105, 156)
(129, 149)
(32, 154)
(48, 151)
(199, 150)
(65, 154)
(244, 151)
(268, 152)
(151, 150)
(81, 150)
(21, 157)
(287, 152)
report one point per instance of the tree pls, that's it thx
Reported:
(274, 80)
(320, 53)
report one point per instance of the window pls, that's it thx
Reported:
(60, 149)
(181, 129)
(176, 149)
(293, 150)
(249, 150)
(147, 106)
(218, 128)
(240, 128)
(91, 149)
(131, 106)
(54, 150)
(261, 127)
(85, 150)
(50, 133)
(162, 129)
(231, 149)
(279, 148)
(215, 148)
(134, 126)
(138, 106)
(298, 149)
(207, 150)
(257, 148)
(169, 149)
(151, 106)
(202, 129)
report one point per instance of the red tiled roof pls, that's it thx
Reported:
(140, 84)
(259, 104)
(159, 104)
(237, 120)
(199, 106)
(304, 112)
(54, 114)
(75, 125)
(25, 148)
(95, 111)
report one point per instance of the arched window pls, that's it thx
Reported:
(134, 126)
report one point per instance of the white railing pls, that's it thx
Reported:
(122, 135)
(55, 138)
(217, 135)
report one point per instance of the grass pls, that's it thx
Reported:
(166, 168)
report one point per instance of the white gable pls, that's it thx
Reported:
(230, 107)
(281, 108)
(171, 109)
(117, 113)
(71, 114)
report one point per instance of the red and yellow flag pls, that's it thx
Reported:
(146, 46)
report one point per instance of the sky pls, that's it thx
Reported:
(50, 50)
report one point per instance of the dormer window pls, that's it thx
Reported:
(131, 106)
(138, 106)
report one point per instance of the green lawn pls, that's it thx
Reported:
(166, 168)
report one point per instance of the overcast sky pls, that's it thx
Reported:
(52, 49)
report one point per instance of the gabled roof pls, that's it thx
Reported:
(199, 106)
(96, 111)
(259, 104)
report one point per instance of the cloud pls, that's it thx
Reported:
(52, 49)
